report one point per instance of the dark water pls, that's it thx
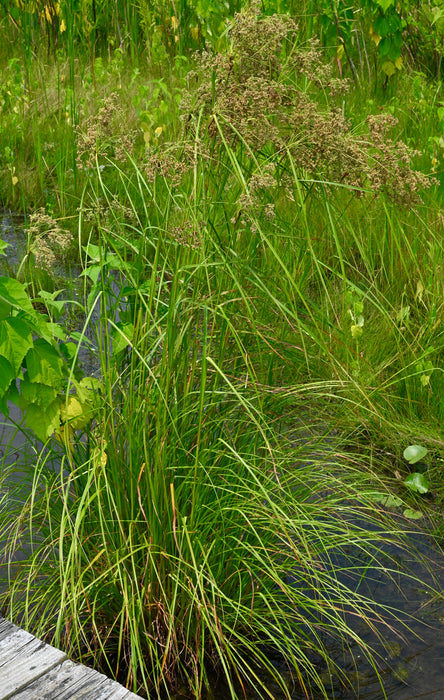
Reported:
(410, 663)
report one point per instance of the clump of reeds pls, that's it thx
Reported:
(188, 536)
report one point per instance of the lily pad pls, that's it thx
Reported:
(414, 453)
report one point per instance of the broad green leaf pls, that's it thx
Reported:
(35, 393)
(13, 394)
(52, 303)
(122, 336)
(15, 340)
(93, 272)
(385, 4)
(4, 405)
(384, 47)
(94, 252)
(395, 51)
(437, 13)
(417, 482)
(7, 374)
(395, 25)
(3, 246)
(381, 26)
(14, 293)
(55, 331)
(89, 389)
(44, 364)
(43, 421)
(68, 350)
(5, 309)
(414, 453)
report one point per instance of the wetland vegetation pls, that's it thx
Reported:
(223, 331)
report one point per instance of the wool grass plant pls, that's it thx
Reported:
(190, 522)
(186, 536)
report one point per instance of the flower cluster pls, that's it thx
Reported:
(49, 242)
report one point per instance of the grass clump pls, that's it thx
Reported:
(187, 535)
(189, 520)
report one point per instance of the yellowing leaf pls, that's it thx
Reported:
(146, 137)
(424, 379)
(374, 36)
(340, 51)
(158, 131)
(99, 456)
(389, 68)
(174, 22)
(419, 290)
(399, 63)
(74, 413)
(194, 31)
(62, 27)
(14, 180)
(356, 331)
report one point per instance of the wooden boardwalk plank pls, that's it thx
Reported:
(23, 658)
(33, 670)
(71, 681)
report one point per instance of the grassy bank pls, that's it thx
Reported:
(218, 405)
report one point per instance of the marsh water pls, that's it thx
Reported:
(410, 659)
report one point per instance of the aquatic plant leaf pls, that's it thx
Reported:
(43, 421)
(7, 374)
(412, 514)
(389, 68)
(5, 309)
(57, 306)
(3, 246)
(75, 413)
(15, 340)
(414, 453)
(35, 393)
(89, 390)
(122, 336)
(417, 482)
(385, 4)
(14, 293)
(44, 364)
(387, 499)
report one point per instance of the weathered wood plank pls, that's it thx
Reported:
(33, 670)
(23, 659)
(7, 628)
(71, 681)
